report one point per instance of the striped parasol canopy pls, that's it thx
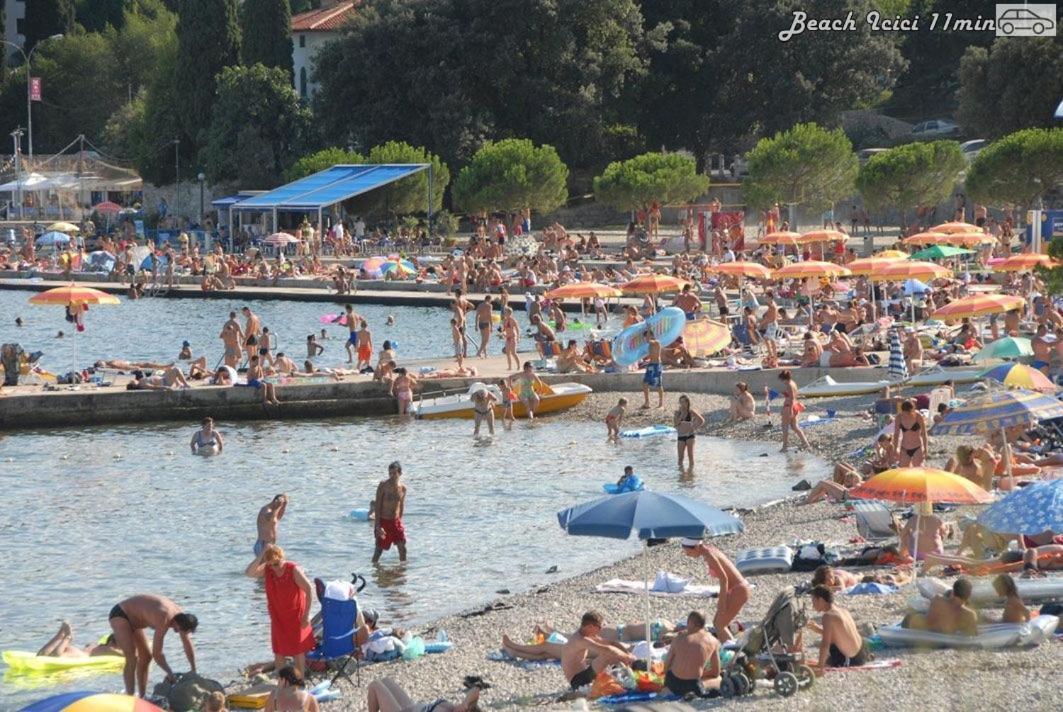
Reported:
(401, 267)
(73, 294)
(1034, 509)
(979, 305)
(1019, 375)
(910, 485)
(815, 236)
(924, 238)
(902, 270)
(280, 239)
(998, 409)
(789, 239)
(107, 208)
(967, 239)
(898, 368)
(951, 227)
(811, 268)
(1024, 263)
(654, 284)
(583, 290)
(743, 269)
(91, 702)
(706, 337)
(870, 265)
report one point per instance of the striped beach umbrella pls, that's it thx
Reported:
(951, 227)
(1034, 509)
(742, 269)
(706, 337)
(902, 270)
(896, 254)
(924, 238)
(869, 265)
(910, 485)
(811, 268)
(940, 252)
(979, 305)
(583, 290)
(1024, 263)
(966, 239)
(280, 239)
(91, 702)
(64, 227)
(789, 239)
(898, 370)
(815, 236)
(996, 410)
(654, 284)
(1019, 375)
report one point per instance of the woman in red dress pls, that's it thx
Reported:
(288, 596)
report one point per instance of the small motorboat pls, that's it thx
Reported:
(938, 375)
(827, 387)
(552, 398)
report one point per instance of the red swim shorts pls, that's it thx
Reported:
(365, 353)
(390, 532)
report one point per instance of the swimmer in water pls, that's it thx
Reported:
(62, 646)
(483, 404)
(207, 441)
(614, 418)
(186, 352)
(269, 518)
(390, 321)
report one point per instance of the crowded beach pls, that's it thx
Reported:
(926, 561)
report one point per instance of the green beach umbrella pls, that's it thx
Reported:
(1007, 348)
(940, 252)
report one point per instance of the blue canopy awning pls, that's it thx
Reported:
(232, 199)
(330, 186)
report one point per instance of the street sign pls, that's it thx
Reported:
(35, 88)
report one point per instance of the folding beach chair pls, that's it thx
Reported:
(339, 626)
(874, 520)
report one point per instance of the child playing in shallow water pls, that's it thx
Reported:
(509, 397)
(614, 418)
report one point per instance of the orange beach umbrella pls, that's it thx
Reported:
(705, 337)
(925, 238)
(822, 236)
(742, 269)
(906, 269)
(979, 305)
(811, 268)
(951, 227)
(870, 265)
(921, 484)
(73, 294)
(654, 284)
(1025, 263)
(790, 239)
(583, 290)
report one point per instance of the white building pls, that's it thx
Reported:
(14, 15)
(310, 31)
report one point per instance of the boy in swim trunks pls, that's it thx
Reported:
(390, 504)
(352, 321)
(268, 518)
(365, 346)
(614, 418)
(652, 376)
(578, 670)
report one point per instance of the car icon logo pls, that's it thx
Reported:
(1026, 20)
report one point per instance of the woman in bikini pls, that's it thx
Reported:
(483, 405)
(687, 421)
(207, 441)
(734, 589)
(790, 410)
(402, 390)
(909, 436)
(290, 695)
(510, 332)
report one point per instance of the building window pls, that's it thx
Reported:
(302, 82)
(302, 40)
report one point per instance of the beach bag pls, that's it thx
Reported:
(812, 556)
(188, 692)
(605, 686)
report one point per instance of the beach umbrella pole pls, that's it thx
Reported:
(646, 603)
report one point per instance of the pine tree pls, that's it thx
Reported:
(267, 33)
(45, 18)
(208, 41)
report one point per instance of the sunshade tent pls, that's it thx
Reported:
(1033, 509)
(1004, 348)
(650, 515)
(1019, 375)
(979, 305)
(53, 238)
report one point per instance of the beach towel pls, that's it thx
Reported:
(871, 589)
(629, 697)
(669, 583)
(639, 587)
(501, 656)
(884, 664)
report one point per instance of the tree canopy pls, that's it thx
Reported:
(320, 160)
(511, 175)
(807, 165)
(1013, 85)
(651, 177)
(259, 107)
(911, 176)
(409, 195)
(45, 18)
(266, 28)
(1019, 169)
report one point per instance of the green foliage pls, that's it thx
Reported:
(45, 18)
(146, 34)
(651, 177)
(320, 160)
(260, 108)
(511, 175)
(96, 15)
(912, 175)
(266, 27)
(551, 70)
(1019, 169)
(208, 41)
(807, 165)
(1013, 85)
(409, 195)
(445, 223)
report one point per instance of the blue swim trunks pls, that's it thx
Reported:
(652, 376)
(352, 339)
(259, 546)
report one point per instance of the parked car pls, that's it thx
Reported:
(935, 127)
(1024, 19)
(972, 148)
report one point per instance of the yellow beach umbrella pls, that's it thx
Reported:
(870, 265)
(979, 305)
(811, 268)
(897, 254)
(909, 485)
(654, 284)
(63, 227)
(967, 239)
(1025, 263)
(705, 337)
(924, 238)
(790, 239)
(742, 269)
(814, 236)
(906, 269)
(951, 227)
(583, 290)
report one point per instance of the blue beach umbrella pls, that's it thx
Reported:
(53, 238)
(998, 409)
(1033, 509)
(651, 515)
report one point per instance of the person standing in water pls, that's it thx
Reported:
(268, 519)
(687, 422)
(207, 441)
(390, 505)
(652, 377)
(365, 346)
(352, 321)
(129, 620)
(790, 410)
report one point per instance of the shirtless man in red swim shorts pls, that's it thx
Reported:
(390, 504)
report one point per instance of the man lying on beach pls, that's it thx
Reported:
(385, 695)
(950, 613)
(734, 589)
(553, 640)
(170, 379)
(840, 579)
(62, 645)
(578, 669)
(840, 642)
(1033, 560)
(124, 365)
(693, 655)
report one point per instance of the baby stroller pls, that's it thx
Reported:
(763, 652)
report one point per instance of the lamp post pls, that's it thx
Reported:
(29, 84)
(16, 136)
(201, 177)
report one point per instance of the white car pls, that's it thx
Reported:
(1024, 19)
(972, 148)
(935, 127)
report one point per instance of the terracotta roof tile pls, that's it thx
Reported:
(326, 19)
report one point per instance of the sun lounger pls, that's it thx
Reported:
(874, 520)
(775, 559)
(639, 587)
(1030, 590)
(997, 635)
